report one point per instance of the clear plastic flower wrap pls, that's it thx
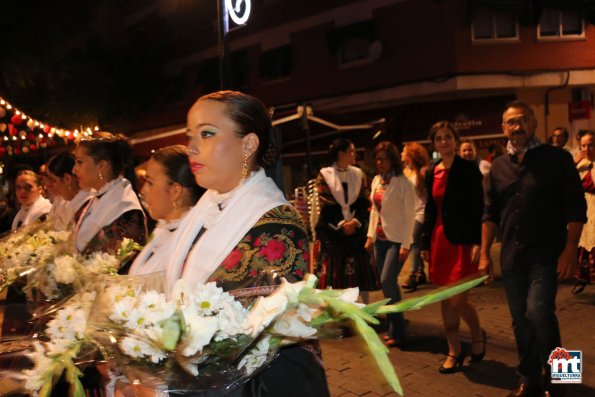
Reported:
(34, 363)
(45, 265)
(200, 341)
(28, 252)
(193, 342)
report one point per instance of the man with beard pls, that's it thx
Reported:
(534, 194)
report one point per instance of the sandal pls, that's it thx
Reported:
(457, 366)
(477, 357)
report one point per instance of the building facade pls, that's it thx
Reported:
(409, 62)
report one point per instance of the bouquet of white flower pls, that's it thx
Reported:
(200, 338)
(53, 352)
(219, 343)
(52, 267)
(20, 249)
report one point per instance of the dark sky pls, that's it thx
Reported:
(74, 63)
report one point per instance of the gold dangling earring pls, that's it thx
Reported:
(100, 175)
(245, 167)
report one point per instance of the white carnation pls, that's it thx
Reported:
(65, 269)
(138, 348)
(155, 308)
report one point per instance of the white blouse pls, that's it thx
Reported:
(153, 257)
(63, 211)
(397, 214)
(29, 214)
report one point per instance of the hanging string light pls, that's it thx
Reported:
(20, 133)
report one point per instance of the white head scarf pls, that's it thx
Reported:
(354, 185)
(226, 219)
(108, 204)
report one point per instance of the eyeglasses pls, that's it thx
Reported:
(516, 121)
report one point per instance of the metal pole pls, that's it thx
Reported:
(224, 80)
(306, 129)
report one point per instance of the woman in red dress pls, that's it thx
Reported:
(451, 236)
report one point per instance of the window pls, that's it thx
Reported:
(208, 75)
(355, 43)
(275, 64)
(494, 24)
(560, 24)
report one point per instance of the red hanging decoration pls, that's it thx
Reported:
(16, 119)
(32, 147)
(12, 130)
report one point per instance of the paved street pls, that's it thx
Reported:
(352, 372)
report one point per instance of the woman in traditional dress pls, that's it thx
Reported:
(169, 192)
(586, 253)
(390, 230)
(243, 233)
(452, 234)
(34, 206)
(69, 198)
(114, 211)
(416, 160)
(343, 261)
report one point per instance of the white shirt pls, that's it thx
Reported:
(397, 214)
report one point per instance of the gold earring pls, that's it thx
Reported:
(175, 204)
(100, 175)
(245, 167)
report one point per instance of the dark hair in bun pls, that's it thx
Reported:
(338, 145)
(61, 164)
(174, 160)
(113, 148)
(250, 116)
(116, 150)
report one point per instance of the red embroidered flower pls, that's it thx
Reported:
(299, 273)
(306, 256)
(273, 251)
(233, 259)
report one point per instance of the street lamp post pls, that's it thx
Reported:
(223, 45)
(239, 12)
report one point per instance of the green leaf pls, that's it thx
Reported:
(77, 388)
(349, 309)
(380, 353)
(374, 306)
(171, 334)
(322, 318)
(45, 390)
(433, 297)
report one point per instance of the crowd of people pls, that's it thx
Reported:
(220, 218)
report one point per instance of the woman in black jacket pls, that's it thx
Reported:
(451, 236)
